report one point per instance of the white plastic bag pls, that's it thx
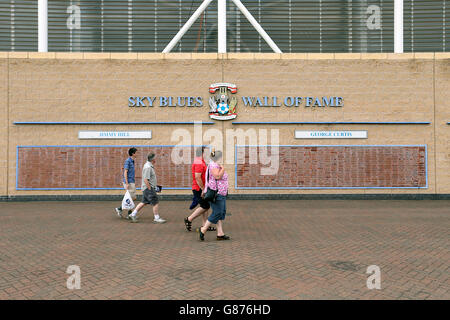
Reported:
(127, 202)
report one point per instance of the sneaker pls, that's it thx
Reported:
(128, 217)
(133, 218)
(119, 212)
(160, 220)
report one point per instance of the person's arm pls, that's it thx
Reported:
(125, 176)
(147, 183)
(198, 178)
(146, 176)
(126, 167)
(218, 172)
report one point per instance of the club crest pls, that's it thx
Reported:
(222, 106)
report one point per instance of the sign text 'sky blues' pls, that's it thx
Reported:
(165, 101)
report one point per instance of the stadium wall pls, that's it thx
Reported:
(401, 100)
(3, 124)
(442, 123)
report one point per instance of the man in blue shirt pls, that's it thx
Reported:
(129, 182)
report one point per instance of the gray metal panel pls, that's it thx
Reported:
(294, 25)
(426, 26)
(18, 25)
(316, 26)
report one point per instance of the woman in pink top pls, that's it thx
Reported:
(217, 179)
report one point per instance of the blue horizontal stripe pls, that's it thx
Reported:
(321, 188)
(107, 146)
(165, 188)
(67, 123)
(330, 145)
(327, 122)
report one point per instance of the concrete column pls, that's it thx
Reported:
(398, 26)
(42, 26)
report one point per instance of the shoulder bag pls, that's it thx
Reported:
(210, 194)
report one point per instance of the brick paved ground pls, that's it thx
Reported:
(296, 250)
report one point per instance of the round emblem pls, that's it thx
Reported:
(222, 108)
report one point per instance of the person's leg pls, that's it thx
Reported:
(119, 208)
(156, 210)
(216, 215)
(199, 211)
(220, 234)
(132, 190)
(136, 210)
(212, 219)
(157, 218)
(205, 205)
(220, 228)
(188, 220)
(205, 226)
(223, 211)
(194, 200)
(205, 217)
(154, 200)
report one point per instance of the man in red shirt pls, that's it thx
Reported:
(198, 184)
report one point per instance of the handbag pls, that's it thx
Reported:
(127, 202)
(210, 194)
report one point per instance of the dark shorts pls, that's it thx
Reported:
(197, 199)
(150, 197)
(219, 209)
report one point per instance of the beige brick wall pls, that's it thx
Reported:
(98, 90)
(442, 128)
(88, 87)
(373, 90)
